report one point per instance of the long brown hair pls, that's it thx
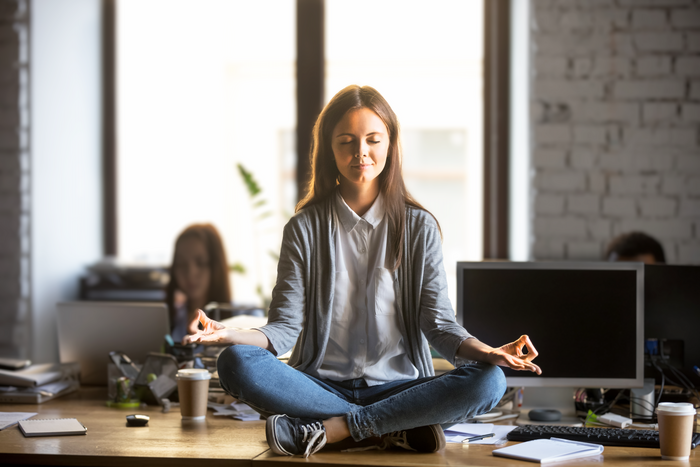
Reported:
(219, 283)
(325, 174)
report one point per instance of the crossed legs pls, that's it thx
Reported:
(351, 408)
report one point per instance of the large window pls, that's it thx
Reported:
(426, 59)
(204, 87)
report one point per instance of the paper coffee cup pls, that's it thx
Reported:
(193, 389)
(676, 422)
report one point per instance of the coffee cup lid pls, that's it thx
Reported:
(676, 408)
(193, 373)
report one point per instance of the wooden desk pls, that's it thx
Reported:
(168, 441)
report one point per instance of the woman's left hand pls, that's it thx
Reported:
(512, 356)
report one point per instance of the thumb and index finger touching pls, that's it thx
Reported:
(524, 342)
(208, 324)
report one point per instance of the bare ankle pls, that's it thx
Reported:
(336, 429)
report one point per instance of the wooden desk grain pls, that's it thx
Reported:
(475, 455)
(167, 441)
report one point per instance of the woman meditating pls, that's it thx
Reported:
(360, 293)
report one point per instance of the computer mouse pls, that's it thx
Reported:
(544, 415)
(137, 420)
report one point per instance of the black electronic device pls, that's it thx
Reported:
(544, 415)
(672, 319)
(606, 436)
(584, 318)
(137, 420)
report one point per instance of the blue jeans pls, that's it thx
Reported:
(256, 377)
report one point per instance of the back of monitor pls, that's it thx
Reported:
(88, 331)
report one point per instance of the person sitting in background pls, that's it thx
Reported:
(636, 246)
(198, 275)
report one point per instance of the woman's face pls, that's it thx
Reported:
(360, 143)
(191, 270)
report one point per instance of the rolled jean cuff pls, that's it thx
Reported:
(361, 427)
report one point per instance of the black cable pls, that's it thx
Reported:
(644, 405)
(685, 382)
(676, 372)
(641, 402)
(608, 406)
(675, 383)
(688, 385)
(661, 390)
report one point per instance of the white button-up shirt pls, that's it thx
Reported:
(365, 340)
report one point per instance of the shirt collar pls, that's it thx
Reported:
(350, 219)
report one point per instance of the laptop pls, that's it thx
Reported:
(88, 331)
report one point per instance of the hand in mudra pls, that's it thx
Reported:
(213, 332)
(512, 355)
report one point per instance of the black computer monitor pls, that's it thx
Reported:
(672, 316)
(585, 318)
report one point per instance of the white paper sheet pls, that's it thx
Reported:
(236, 410)
(458, 433)
(8, 419)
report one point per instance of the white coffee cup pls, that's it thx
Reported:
(676, 423)
(193, 389)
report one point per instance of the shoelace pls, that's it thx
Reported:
(313, 432)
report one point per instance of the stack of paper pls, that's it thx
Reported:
(38, 383)
(39, 374)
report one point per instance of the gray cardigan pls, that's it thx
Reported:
(302, 300)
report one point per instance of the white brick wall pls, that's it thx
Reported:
(653, 65)
(14, 186)
(616, 125)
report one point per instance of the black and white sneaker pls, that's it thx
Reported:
(289, 436)
(428, 438)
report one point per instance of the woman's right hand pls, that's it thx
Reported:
(213, 332)
(216, 333)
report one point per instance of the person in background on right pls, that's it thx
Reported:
(636, 246)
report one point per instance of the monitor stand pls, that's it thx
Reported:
(561, 399)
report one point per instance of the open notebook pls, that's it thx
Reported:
(549, 450)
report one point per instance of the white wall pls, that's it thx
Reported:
(66, 153)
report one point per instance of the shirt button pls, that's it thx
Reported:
(362, 341)
(362, 250)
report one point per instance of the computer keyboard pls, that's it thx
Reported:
(604, 436)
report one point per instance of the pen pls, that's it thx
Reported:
(477, 438)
